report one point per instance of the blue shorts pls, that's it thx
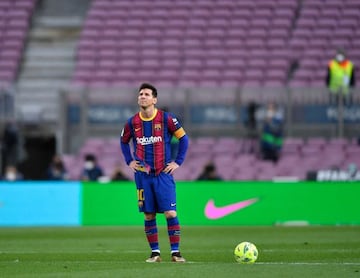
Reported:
(156, 194)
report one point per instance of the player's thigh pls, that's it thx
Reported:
(166, 192)
(146, 197)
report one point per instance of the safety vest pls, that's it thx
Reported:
(340, 74)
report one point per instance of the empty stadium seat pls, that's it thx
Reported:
(298, 157)
(15, 21)
(231, 43)
(211, 29)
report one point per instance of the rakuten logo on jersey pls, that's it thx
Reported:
(148, 140)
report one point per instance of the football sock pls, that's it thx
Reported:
(174, 233)
(151, 232)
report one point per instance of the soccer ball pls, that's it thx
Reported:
(246, 253)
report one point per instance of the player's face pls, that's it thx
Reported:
(146, 99)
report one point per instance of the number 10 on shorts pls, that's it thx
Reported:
(141, 198)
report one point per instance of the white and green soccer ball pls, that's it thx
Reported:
(246, 253)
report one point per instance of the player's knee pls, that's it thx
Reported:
(170, 214)
(149, 216)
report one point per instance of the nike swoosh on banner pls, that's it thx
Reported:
(213, 212)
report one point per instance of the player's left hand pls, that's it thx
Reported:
(171, 167)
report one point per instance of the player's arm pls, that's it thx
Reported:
(177, 131)
(125, 144)
(125, 148)
(183, 146)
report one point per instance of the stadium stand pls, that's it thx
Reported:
(14, 26)
(214, 43)
(321, 27)
(199, 43)
(48, 59)
(299, 156)
(202, 43)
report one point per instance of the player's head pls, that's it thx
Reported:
(150, 87)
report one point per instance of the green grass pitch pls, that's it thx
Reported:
(315, 251)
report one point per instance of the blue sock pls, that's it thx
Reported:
(174, 233)
(151, 232)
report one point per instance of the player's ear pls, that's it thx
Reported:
(154, 100)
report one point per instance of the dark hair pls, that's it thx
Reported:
(148, 86)
(90, 157)
(210, 167)
(341, 50)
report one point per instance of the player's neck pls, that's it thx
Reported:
(148, 112)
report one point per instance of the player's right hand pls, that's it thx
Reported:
(134, 165)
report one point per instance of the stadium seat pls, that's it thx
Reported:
(15, 19)
(175, 28)
(298, 157)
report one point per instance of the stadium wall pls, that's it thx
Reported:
(199, 203)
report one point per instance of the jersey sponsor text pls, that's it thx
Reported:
(148, 140)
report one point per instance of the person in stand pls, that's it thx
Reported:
(118, 174)
(340, 78)
(57, 170)
(271, 139)
(150, 131)
(10, 144)
(91, 171)
(11, 173)
(252, 136)
(209, 173)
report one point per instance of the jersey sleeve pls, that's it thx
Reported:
(183, 147)
(126, 134)
(175, 127)
(124, 143)
(177, 130)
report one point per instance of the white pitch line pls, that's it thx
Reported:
(195, 262)
(318, 251)
(305, 263)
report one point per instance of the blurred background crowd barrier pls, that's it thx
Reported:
(210, 111)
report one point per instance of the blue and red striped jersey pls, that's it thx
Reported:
(152, 138)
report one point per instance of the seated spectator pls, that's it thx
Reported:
(12, 174)
(209, 173)
(118, 175)
(57, 170)
(271, 139)
(91, 171)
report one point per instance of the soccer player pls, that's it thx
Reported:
(151, 130)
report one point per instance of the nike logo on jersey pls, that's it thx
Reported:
(214, 212)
